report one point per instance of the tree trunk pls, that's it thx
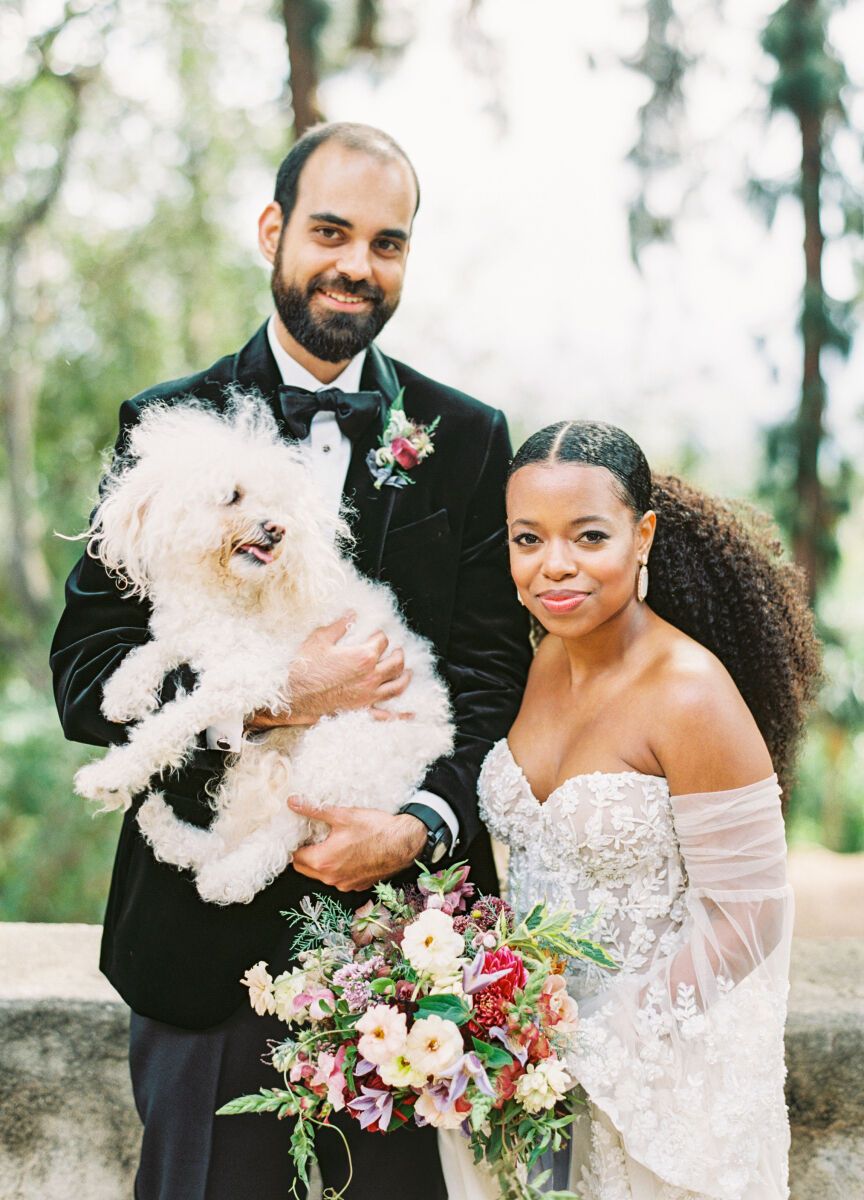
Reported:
(302, 19)
(813, 519)
(366, 28)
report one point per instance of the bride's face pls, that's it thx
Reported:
(575, 545)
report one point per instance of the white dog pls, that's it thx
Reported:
(217, 522)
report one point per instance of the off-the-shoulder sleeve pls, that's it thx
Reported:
(686, 1059)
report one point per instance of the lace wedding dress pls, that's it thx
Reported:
(680, 1052)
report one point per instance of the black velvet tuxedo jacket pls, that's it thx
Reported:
(441, 545)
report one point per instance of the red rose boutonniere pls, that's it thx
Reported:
(403, 445)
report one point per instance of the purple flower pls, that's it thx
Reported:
(439, 1094)
(465, 1069)
(357, 994)
(519, 1052)
(347, 973)
(473, 979)
(363, 1067)
(374, 1107)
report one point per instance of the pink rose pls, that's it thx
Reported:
(558, 1008)
(404, 453)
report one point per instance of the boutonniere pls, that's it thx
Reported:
(402, 445)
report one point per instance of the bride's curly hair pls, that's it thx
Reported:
(718, 574)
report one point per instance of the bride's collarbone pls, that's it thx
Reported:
(556, 744)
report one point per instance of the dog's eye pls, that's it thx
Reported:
(236, 495)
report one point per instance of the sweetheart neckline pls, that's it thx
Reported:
(573, 778)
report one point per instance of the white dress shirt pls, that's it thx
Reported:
(330, 454)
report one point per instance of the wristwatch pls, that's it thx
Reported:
(438, 835)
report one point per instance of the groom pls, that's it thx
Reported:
(337, 235)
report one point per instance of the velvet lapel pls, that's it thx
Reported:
(369, 510)
(255, 368)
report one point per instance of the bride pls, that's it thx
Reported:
(639, 782)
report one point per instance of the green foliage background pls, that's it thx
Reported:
(134, 274)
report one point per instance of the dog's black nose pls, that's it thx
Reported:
(274, 532)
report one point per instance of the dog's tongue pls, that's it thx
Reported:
(264, 556)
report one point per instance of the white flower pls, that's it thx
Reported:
(432, 945)
(422, 443)
(400, 1072)
(543, 1085)
(384, 1030)
(384, 456)
(434, 1044)
(449, 1119)
(450, 984)
(286, 988)
(399, 425)
(257, 979)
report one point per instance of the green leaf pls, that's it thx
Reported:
(267, 1100)
(535, 917)
(597, 954)
(495, 1146)
(492, 1056)
(302, 1150)
(443, 881)
(393, 899)
(449, 1008)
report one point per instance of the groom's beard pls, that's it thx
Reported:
(333, 337)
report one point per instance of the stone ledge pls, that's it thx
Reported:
(70, 1128)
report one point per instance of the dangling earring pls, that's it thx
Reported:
(519, 597)
(642, 582)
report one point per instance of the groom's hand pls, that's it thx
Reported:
(362, 847)
(330, 678)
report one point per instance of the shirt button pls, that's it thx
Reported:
(325, 448)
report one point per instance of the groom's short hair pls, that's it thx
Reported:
(365, 138)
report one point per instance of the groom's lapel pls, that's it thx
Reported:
(370, 509)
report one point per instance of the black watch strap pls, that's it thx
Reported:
(439, 839)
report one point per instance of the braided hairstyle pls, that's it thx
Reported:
(717, 573)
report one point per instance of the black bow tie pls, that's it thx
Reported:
(355, 411)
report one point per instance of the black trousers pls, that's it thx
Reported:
(180, 1077)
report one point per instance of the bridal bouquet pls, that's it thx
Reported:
(429, 1006)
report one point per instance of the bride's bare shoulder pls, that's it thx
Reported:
(548, 656)
(705, 736)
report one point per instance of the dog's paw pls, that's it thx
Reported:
(218, 886)
(101, 782)
(121, 706)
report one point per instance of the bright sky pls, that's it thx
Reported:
(521, 290)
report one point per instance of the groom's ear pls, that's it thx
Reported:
(270, 230)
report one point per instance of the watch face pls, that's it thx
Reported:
(438, 851)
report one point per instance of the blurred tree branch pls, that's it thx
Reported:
(304, 21)
(20, 371)
(809, 84)
(663, 61)
(366, 27)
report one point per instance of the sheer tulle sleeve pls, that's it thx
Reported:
(685, 1059)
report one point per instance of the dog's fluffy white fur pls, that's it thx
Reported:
(187, 520)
